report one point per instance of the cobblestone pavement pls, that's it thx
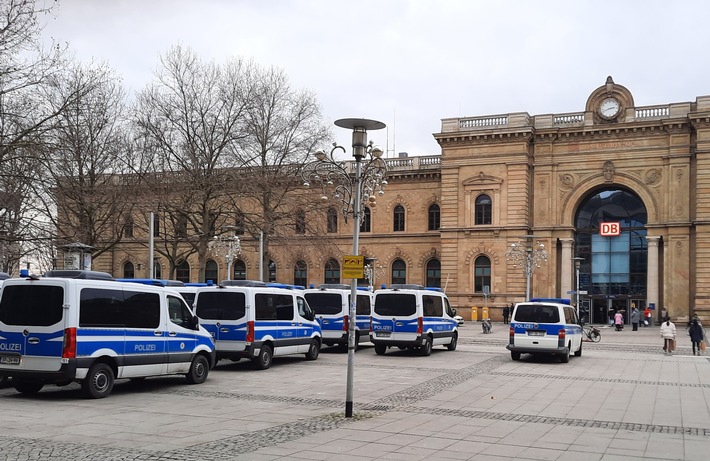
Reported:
(621, 399)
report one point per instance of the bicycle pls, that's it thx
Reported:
(592, 333)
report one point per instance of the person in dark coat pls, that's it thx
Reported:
(696, 334)
(506, 313)
(635, 318)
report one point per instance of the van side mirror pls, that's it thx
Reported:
(453, 310)
(195, 323)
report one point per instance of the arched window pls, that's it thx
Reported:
(398, 216)
(332, 271)
(484, 215)
(128, 270)
(482, 274)
(300, 222)
(434, 217)
(211, 271)
(399, 271)
(240, 270)
(272, 271)
(300, 273)
(433, 273)
(157, 270)
(182, 271)
(332, 220)
(365, 225)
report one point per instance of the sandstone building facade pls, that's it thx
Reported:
(552, 179)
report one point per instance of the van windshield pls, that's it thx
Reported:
(395, 304)
(325, 303)
(537, 313)
(32, 305)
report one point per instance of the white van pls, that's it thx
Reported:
(413, 317)
(545, 326)
(258, 323)
(91, 329)
(331, 304)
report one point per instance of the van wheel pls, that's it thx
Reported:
(452, 345)
(357, 341)
(564, 358)
(313, 350)
(380, 349)
(199, 368)
(28, 387)
(578, 353)
(263, 360)
(98, 382)
(515, 355)
(426, 346)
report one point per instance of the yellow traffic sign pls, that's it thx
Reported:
(353, 267)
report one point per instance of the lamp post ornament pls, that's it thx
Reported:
(527, 256)
(227, 246)
(353, 190)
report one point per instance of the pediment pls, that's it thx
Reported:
(482, 180)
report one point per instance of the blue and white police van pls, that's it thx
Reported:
(546, 326)
(413, 317)
(84, 326)
(331, 304)
(258, 322)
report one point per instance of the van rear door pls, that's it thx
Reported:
(32, 323)
(395, 316)
(222, 312)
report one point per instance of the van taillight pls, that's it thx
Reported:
(69, 348)
(250, 332)
(345, 322)
(420, 325)
(511, 335)
(561, 334)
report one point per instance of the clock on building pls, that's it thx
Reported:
(609, 108)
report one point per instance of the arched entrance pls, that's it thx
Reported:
(613, 269)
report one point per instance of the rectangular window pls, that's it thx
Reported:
(273, 307)
(100, 307)
(32, 305)
(433, 306)
(363, 306)
(396, 304)
(325, 303)
(221, 305)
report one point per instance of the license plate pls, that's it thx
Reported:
(10, 360)
(381, 334)
(536, 333)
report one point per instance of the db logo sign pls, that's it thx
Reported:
(610, 229)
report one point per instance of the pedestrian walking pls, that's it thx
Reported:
(647, 320)
(619, 321)
(668, 335)
(506, 313)
(635, 318)
(696, 335)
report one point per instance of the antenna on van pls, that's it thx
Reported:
(447, 282)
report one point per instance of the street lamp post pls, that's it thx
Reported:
(577, 262)
(528, 256)
(353, 192)
(227, 246)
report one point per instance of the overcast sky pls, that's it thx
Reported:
(411, 63)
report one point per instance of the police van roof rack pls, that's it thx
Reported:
(79, 274)
(285, 286)
(337, 286)
(155, 282)
(406, 286)
(551, 300)
(242, 283)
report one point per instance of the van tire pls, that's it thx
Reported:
(380, 349)
(426, 346)
(578, 353)
(27, 387)
(313, 349)
(452, 345)
(98, 383)
(263, 360)
(199, 368)
(564, 358)
(515, 355)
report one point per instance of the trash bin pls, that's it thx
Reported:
(474, 314)
(484, 313)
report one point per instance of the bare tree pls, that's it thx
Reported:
(189, 122)
(83, 188)
(284, 127)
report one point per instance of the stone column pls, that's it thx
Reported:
(652, 274)
(566, 270)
